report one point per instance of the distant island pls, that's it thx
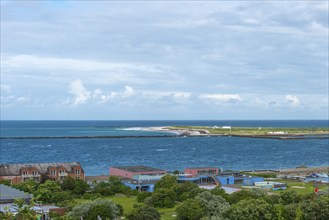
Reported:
(254, 132)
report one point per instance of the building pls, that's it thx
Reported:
(137, 172)
(96, 179)
(17, 173)
(195, 171)
(9, 194)
(138, 177)
(238, 179)
(271, 185)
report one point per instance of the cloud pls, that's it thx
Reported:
(129, 91)
(81, 94)
(22, 99)
(100, 97)
(293, 100)
(221, 98)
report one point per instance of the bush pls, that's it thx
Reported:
(213, 206)
(251, 209)
(182, 190)
(167, 182)
(162, 198)
(144, 213)
(142, 196)
(190, 209)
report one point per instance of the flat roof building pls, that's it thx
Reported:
(133, 172)
(141, 178)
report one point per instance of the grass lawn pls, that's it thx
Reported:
(126, 202)
(128, 205)
(167, 213)
(301, 187)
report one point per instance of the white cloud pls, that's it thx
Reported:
(22, 99)
(129, 91)
(221, 98)
(81, 94)
(293, 100)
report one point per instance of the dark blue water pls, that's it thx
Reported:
(96, 154)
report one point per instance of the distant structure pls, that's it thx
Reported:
(194, 171)
(17, 173)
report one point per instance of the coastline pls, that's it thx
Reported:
(196, 131)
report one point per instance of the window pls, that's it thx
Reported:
(24, 172)
(34, 172)
(77, 172)
(53, 172)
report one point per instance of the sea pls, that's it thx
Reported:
(132, 144)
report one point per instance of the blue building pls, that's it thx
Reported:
(239, 180)
(225, 180)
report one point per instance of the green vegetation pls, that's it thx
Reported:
(170, 200)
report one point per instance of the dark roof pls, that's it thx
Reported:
(14, 169)
(139, 169)
(10, 194)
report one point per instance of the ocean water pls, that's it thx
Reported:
(97, 154)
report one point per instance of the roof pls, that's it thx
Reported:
(14, 169)
(9, 193)
(136, 169)
(39, 208)
(202, 168)
(96, 178)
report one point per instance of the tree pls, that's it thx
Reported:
(317, 209)
(162, 198)
(250, 209)
(24, 211)
(28, 186)
(76, 186)
(182, 190)
(167, 182)
(68, 183)
(46, 190)
(242, 195)
(212, 205)
(116, 185)
(143, 195)
(190, 209)
(144, 213)
(289, 197)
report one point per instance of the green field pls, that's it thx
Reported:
(301, 187)
(128, 205)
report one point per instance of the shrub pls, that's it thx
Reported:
(144, 213)
(142, 196)
(190, 209)
(162, 198)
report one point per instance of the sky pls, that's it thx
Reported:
(164, 60)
